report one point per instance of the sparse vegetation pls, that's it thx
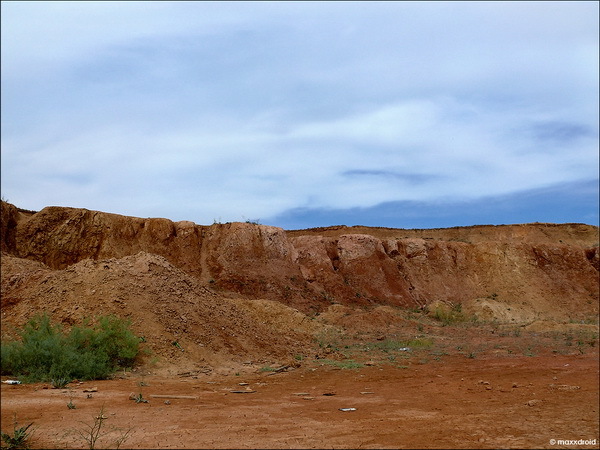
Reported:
(329, 338)
(46, 353)
(71, 405)
(140, 398)
(20, 437)
(178, 345)
(60, 383)
(392, 344)
(448, 315)
(92, 432)
(346, 364)
(328, 297)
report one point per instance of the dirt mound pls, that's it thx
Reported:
(165, 306)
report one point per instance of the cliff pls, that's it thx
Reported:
(542, 270)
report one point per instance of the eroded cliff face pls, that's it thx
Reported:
(543, 269)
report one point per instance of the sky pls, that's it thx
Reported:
(304, 114)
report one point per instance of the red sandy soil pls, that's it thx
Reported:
(456, 402)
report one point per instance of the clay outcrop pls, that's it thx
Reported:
(549, 269)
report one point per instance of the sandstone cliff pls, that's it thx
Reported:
(534, 270)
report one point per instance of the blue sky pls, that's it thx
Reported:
(304, 114)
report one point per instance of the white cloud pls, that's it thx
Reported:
(207, 110)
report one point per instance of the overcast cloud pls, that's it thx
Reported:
(304, 114)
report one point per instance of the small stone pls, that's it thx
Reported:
(515, 385)
(489, 388)
(532, 402)
(167, 402)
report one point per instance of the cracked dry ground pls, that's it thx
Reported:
(475, 387)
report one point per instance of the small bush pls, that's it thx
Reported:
(46, 353)
(448, 315)
(95, 431)
(60, 383)
(348, 364)
(329, 338)
(20, 436)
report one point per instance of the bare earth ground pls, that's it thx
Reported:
(475, 387)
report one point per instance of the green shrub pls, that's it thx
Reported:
(20, 437)
(60, 383)
(347, 364)
(46, 353)
(448, 315)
